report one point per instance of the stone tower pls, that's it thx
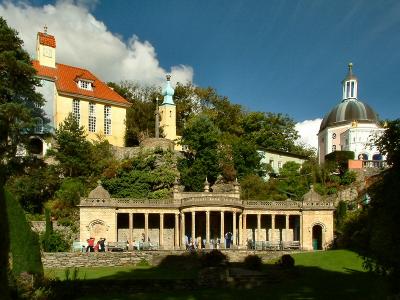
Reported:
(168, 112)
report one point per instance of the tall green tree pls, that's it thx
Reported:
(202, 160)
(271, 131)
(19, 107)
(72, 150)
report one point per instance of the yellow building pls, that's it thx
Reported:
(68, 89)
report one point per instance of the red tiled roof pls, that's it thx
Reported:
(66, 79)
(47, 39)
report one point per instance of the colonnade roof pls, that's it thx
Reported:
(204, 202)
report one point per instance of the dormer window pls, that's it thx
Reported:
(85, 85)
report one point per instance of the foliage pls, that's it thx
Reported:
(24, 244)
(348, 177)
(149, 175)
(19, 112)
(214, 258)
(53, 241)
(286, 261)
(36, 186)
(271, 131)
(340, 214)
(373, 231)
(253, 262)
(389, 143)
(70, 191)
(293, 184)
(255, 187)
(339, 159)
(72, 150)
(202, 160)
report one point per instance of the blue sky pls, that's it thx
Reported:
(279, 56)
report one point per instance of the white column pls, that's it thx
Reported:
(287, 228)
(207, 229)
(194, 226)
(241, 229)
(116, 227)
(234, 235)
(146, 227)
(161, 242)
(258, 226)
(183, 245)
(176, 231)
(130, 230)
(301, 231)
(272, 227)
(244, 230)
(222, 234)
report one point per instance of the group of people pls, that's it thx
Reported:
(198, 243)
(98, 247)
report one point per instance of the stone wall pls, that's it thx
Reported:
(101, 259)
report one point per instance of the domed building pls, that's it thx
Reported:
(350, 126)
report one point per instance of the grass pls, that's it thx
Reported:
(318, 275)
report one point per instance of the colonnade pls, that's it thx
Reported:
(239, 222)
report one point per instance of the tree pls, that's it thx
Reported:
(202, 160)
(373, 232)
(72, 150)
(291, 182)
(19, 107)
(271, 131)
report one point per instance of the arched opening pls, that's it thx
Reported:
(317, 237)
(377, 156)
(36, 146)
(362, 156)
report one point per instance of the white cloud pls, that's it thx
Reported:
(308, 130)
(84, 41)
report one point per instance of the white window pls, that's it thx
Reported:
(279, 164)
(107, 119)
(39, 125)
(47, 52)
(86, 85)
(92, 117)
(76, 110)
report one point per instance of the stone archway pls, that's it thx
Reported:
(97, 229)
(317, 237)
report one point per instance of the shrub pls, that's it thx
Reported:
(70, 191)
(253, 262)
(215, 258)
(348, 177)
(286, 261)
(54, 242)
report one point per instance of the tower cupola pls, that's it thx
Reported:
(350, 85)
(46, 49)
(168, 92)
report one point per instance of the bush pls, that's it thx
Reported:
(253, 262)
(215, 258)
(286, 261)
(54, 242)
(348, 177)
(70, 192)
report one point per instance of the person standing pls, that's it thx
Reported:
(90, 246)
(228, 239)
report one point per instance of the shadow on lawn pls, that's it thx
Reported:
(176, 277)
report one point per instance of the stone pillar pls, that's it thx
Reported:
(176, 244)
(234, 235)
(222, 230)
(207, 229)
(287, 228)
(183, 245)
(245, 230)
(146, 227)
(116, 227)
(301, 231)
(258, 226)
(130, 230)
(161, 242)
(241, 229)
(272, 227)
(194, 226)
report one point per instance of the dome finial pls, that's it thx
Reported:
(350, 68)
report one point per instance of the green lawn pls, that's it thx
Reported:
(318, 275)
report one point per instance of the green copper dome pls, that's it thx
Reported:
(168, 92)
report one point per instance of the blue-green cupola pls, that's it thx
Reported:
(168, 92)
